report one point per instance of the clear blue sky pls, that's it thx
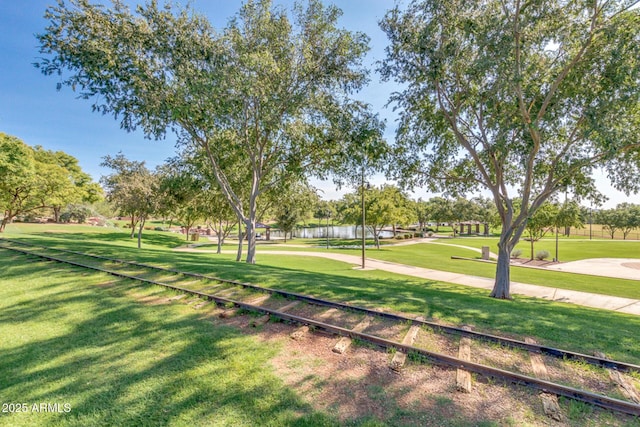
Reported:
(33, 110)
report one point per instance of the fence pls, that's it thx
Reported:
(598, 232)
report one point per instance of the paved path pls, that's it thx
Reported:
(621, 268)
(623, 305)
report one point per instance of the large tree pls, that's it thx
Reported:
(133, 189)
(261, 93)
(65, 181)
(35, 179)
(385, 206)
(522, 98)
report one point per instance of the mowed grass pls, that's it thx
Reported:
(560, 325)
(70, 338)
(438, 256)
(569, 249)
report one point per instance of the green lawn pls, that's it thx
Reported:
(556, 324)
(117, 362)
(438, 257)
(569, 249)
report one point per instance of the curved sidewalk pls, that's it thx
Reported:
(606, 302)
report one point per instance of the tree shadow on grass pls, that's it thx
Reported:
(118, 362)
(555, 324)
(124, 363)
(82, 239)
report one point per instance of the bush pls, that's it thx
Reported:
(541, 255)
(516, 253)
(430, 233)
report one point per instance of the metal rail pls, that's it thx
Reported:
(441, 359)
(509, 342)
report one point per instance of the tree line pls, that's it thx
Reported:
(522, 99)
(33, 179)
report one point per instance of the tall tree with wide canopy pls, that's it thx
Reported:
(261, 93)
(523, 98)
(65, 181)
(34, 179)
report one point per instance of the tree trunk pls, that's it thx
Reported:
(56, 214)
(133, 226)
(250, 222)
(251, 240)
(376, 239)
(531, 238)
(503, 272)
(240, 238)
(220, 238)
(8, 216)
(142, 220)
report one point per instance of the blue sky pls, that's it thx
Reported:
(33, 110)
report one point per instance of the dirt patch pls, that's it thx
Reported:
(359, 385)
(532, 262)
(634, 265)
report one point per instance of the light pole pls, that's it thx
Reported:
(363, 217)
(328, 215)
(590, 222)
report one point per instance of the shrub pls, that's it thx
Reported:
(430, 233)
(540, 255)
(516, 253)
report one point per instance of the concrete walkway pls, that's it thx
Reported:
(622, 305)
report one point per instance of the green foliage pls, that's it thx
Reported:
(542, 255)
(260, 96)
(33, 179)
(384, 206)
(133, 189)
(625, 217)
(502, 95)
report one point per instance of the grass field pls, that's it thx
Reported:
(560, 325)
(71, 339)
(439, 257)
(77, 338)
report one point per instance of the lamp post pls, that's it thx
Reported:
(590, 222)
(363, 217)
(328, 215)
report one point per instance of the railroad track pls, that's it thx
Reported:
(387, 330)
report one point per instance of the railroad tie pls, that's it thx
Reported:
(229, 312)
(463, 377)
(289, 306)
(177, 281)
(625, 388)
(259, 299)
(177, 297)
(343, 344)
(400, 357)
(299, 333)
(208, 288)
(549, 401)
(260, 320)
(200, 305)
